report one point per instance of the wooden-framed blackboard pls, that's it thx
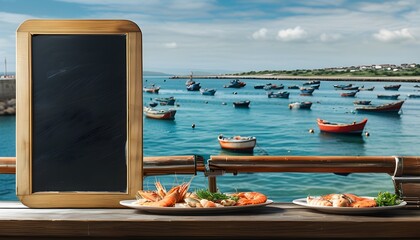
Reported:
(79, 113)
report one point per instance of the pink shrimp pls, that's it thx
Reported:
(317, 201)
(168, 201)
(248, 198)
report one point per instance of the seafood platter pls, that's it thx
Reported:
(178, 200)
(347, 203)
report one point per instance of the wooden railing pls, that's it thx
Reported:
(405, 170)
(164, 165)
(8, 165)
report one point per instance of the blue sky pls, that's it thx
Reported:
(214, 36)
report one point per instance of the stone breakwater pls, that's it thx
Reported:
(8, 107)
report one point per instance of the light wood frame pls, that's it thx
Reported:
(24, 113)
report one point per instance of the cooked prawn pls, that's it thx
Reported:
(359, 202)
(248, 198)
(349, 200)
(168, 201)
(341, 201)
(364, 203)
(148, 195)
(318, 201)
(207, 203)
(330, 196)
(182, 191)
(338, 200)
(161, 191)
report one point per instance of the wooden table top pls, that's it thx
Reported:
(273, 221)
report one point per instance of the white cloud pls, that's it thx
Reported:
(260, 34)
(292, 34)
(389, 7)
(13, 18)
(385, 35)
(171, 45)
(330, 37)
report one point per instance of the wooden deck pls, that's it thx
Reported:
(278, 220)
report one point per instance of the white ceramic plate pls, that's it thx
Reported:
(347, 210)
(182, 209)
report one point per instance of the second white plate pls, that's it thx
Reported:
(347, 210)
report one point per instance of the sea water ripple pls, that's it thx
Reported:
(279, 130)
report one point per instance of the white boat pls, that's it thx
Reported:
(208, 91)
(307, 90)
(284, 94)
(151, 89)
(237, 143)
(164, 114)
(300, 105)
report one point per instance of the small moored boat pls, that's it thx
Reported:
(293, 87)
(164, 114)
(413, 95)
(283, 94)
(208, 91)
(392, 87)
(236, 83)
(307, 90)
(392, 97)
(151, 89)
(362, 102)
(343, 128)
(194, 86)
(393, 107)
(349, 94)
(241, 104)
(166, 101)
(352, 88)
(316, 86)
(273, 86)
(312, 82)
(341, 86)
(300, 105)
(367, 89)
(237, 143)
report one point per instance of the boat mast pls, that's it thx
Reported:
(5, 67)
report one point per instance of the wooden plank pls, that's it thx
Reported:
(277, 220)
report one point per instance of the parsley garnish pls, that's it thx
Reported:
(387, 199)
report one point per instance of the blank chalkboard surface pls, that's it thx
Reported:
(79, 112)
(79, 126)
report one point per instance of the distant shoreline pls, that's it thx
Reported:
(304, 78)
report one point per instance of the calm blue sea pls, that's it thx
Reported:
(279, 131)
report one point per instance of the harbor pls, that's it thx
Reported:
(304, 78)
(298, 120)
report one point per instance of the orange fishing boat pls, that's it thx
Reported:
(352, 128)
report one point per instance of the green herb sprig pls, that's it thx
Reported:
(213, 196)
(387, 199)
